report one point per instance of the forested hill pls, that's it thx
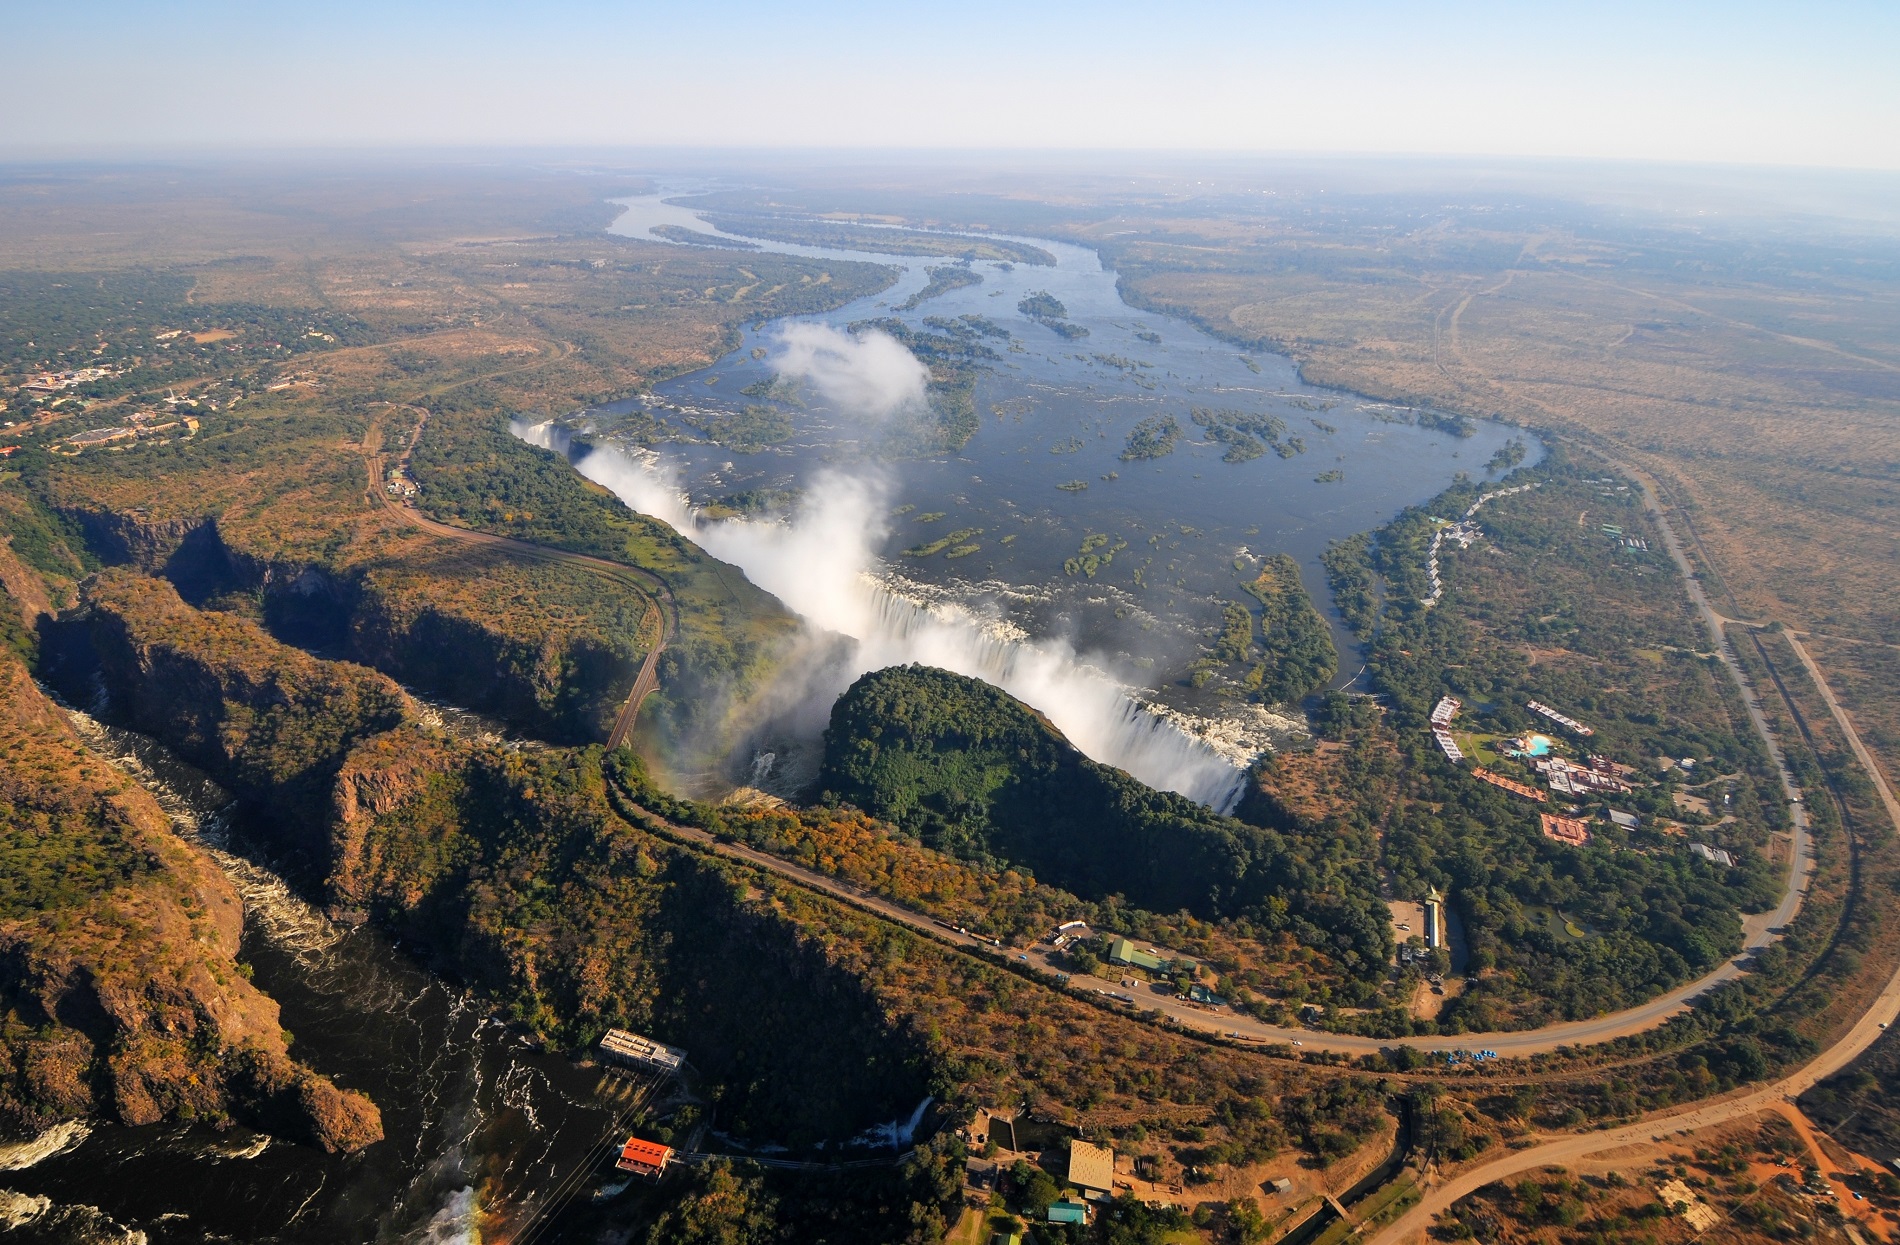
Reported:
(972, 771)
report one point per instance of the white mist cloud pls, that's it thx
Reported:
(872, 374)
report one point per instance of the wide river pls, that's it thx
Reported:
(1105, 650)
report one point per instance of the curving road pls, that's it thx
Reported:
(1884, 1011)
(660, 603)
(1222, 1022)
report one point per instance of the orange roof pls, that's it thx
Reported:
(1565, 830)
(1499, 780)
(651, 1153)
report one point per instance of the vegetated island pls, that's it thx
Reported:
(955, 352)
(1285, 654)
(1153, 437)
(1247, 435)
(1047, 310)
(942, 281)
(695, 237)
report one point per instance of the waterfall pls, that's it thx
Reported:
(821, 564)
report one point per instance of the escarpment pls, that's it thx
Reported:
(515, 874)
(550, 639)
(266, 719)
(508, 869)
(120, 991)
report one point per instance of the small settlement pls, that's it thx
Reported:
(53, 382)
(140, 424)
(1594, 776)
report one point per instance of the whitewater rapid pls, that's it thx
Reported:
(820, 562)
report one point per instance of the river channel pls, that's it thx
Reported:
(1042, 484)
(480, 1123)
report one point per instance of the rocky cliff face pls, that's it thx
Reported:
(119, 979)
(266, 719)
(508, 869)
(445, 621)
(512, 870)
(135, 538)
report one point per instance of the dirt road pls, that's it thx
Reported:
(663, 610)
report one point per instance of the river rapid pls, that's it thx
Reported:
(480, 1123)
(1102, 645)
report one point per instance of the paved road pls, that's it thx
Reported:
(1222, 1022)
(1865, 757)
(1142, 1001)
(1562, 1150)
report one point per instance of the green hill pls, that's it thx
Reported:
(976, 773)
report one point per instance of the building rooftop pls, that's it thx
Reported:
(1568, 830)
(633, 1048)
(643, 1156)
(1091, 1166)
(1068, 1212)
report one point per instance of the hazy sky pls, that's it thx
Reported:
(1795, 83)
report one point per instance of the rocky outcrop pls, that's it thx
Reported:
(387, 774)
(559, 685)
(120, 987)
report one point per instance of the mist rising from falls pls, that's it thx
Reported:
(820, 565)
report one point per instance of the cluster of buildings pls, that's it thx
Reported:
(399, 485)
(1464, 531)
(1598, 776)
(1594, 776)
(141, 424)
(53, 382)
(1617, 537)
(1442, 713)
(647, 1159)
(1089, 1172)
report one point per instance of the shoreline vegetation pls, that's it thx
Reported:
(878, 240)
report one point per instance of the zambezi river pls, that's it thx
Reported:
(484, 1128)
(1043, 555)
